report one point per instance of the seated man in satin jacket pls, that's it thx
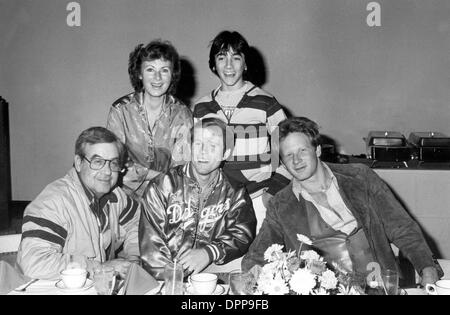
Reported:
(347, 211)
(192, 213)
(82, 219)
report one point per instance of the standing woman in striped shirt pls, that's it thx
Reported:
(252, 113)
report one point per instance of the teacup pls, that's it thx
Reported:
(74, 278)
(203, 283)
(441, 287)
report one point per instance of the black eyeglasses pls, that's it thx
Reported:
(98, 163)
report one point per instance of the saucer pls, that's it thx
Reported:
(220, 290)
(60, 285)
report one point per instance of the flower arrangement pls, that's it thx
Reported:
(303, 273)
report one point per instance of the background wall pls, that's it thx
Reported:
(321, 60)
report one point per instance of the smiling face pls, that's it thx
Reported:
(208, 149)
(299, 156)
(230, 67)
(99, 182)
(156, 76)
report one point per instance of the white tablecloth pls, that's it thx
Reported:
(157, 289)
(47, 287)
(416, 291)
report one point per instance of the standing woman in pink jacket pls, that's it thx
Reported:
(151, 122)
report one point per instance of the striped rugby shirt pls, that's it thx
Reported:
(253, 120)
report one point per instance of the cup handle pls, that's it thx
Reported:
(431, 289)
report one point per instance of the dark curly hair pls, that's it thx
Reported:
(300, 124)
(156, 49)
(225, 41)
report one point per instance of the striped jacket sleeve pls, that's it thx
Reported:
(43, 238)
(129, 222)
(240, 230)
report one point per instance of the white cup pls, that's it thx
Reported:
(441, 287)
(203, 283)
(74, 278)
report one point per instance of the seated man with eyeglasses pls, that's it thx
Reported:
(82, 219)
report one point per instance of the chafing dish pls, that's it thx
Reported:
(387, 146)
(430, 146)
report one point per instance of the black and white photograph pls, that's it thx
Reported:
(208, 148)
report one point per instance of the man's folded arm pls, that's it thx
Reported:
(400, 228)
(129, 222)
(43, 239)
(239, 233)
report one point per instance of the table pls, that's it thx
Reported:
(416, 291)
(158, 288)
(47, 287)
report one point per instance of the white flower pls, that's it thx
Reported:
(310, 255)
(304, 239)
(273, 252)
(271, 283)
(264, 281)
(328, 280)
(270, 269)
(302, 282)
(276, 286)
